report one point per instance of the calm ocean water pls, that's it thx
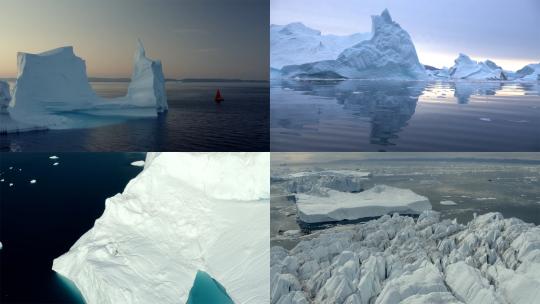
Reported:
(355, 115)
(41, 221)
(194, 123)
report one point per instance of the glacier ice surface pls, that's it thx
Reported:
(184, 213)
(397, 259)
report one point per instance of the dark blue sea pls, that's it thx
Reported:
(194, 123)
(41, 221)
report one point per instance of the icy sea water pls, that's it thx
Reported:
(356, 115)
(41, 221)
(512, 188)
(194, 123)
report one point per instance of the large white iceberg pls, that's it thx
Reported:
(397, 259)
(296, 43)
(377, 201)
(466, 68)
(183, 213)
(390, 53)
(7, 124)
(52, 85)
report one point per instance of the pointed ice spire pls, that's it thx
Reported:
(139, 53)
(386, 15)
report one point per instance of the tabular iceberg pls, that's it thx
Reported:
(389, 54)
(396, 259)
(184, 213)
(377, 201)
(296, 43)
(54, 83)
(466, 68)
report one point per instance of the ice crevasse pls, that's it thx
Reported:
(54, 83)
(184, 213)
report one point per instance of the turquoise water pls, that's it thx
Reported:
(207, 290)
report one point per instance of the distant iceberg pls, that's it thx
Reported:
(530, 72)
(184, 213)
(389, 54)
(466, 68)
(52, 85)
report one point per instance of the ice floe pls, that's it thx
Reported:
(139, 163)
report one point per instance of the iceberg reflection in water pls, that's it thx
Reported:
(363, 115)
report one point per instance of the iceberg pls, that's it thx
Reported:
(313, 181)
(389, 54)
(466, 68)
(184, 213)
(138, 163)
(7, 124)
(530, 72)
(52, 85)
(339, 206)
(296, 43)
(398, 259)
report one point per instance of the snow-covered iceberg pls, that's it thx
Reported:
(313, 181)
(389, 54)
(296, 43)
(336, 206)
(397, 259)
(184, 213)
(466, 68)
(530, 72)
(52, 85)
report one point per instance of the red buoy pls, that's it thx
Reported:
(218, 97)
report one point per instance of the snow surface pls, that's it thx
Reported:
(377, 201)
(139, 163)
(396, 259)
(317, 181)
(52, 84)
(296, 43)
(183, 213)
(389, 54)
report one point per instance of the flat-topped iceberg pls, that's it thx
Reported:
(296, 43)
(53, 84)
(184, 213)
(313, 181)
(339, 206)
(397, 259)
(389, 54)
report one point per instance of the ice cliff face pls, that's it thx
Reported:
(466, 68)
(5, 97)
(54, 83)
(396, 259)
(389, 54)
(296, 43)
(147, 87)
(184, 213)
